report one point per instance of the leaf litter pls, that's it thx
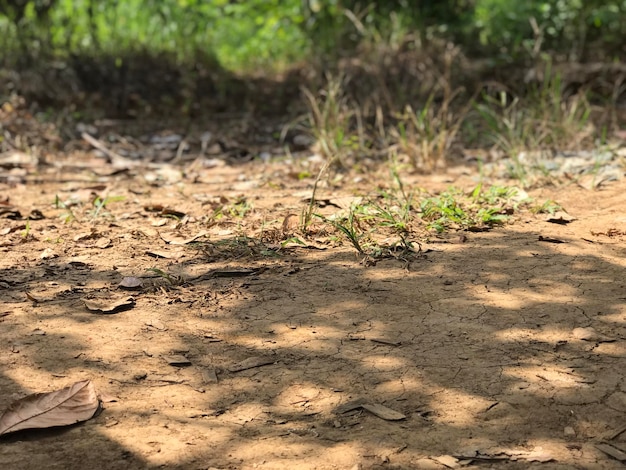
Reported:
(248, 307)
(70, 405)
(109, 305)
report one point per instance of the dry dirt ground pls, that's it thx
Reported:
(496, 349)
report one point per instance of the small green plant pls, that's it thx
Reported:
(349, 226)
(525, 128)
(240, 246)
(26, 231)
(361, 224)
(332, 121)
(308, 211)
(394, 217)
(172, 280)
(239, 208)
(67, 215)
(426, 134)
(453, 210)
(508, 129)
(548, 207)
(443, 211)
(292, 240)
(99, 204)
(393, 208)
(494, 194)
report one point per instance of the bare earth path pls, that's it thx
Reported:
(500, 350)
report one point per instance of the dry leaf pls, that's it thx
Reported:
(383, 412)
(48, 254)
(549, 239)
(70, 405)
(209, 376)
(177, 360)
(250, 363)
(109, 305)
(103, 243)
(131, 283)
(31, 297)
(388, 342)
(156, 254)
(614, 452)
(447, 461)
(173, 213)
(176, 240)
(538, 455)
(85, 236)
(560, 217)
(349, 406)
(156, 324)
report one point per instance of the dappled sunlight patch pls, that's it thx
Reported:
(617, 349)
(170, 440)
(548, 335)
(457, 408)
(547, 376)
(172, 424)
(246, 412)
(245, 360)
(502, 298)
(288, 449)
(412, 382)
(614, 318)
(322, 339)
(519, 297)
(305, 399)
(455, 309)
(341, 308)
(390, 388)
(385, 363)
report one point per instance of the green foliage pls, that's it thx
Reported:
(548, 207)
(527, 28)
(239, 34)
(454, 210)
(100, 204)
(350, 227)
(246, 35)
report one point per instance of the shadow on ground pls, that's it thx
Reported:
(476, 344)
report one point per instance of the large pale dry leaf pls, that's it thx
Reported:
(173, 239)
(131, 283)
(73, 404)
(109, 305)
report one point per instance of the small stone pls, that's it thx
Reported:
(569, 431)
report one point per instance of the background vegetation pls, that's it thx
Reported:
(272, 33)
(416, 77)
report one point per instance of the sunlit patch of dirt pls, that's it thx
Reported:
(496, 347)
